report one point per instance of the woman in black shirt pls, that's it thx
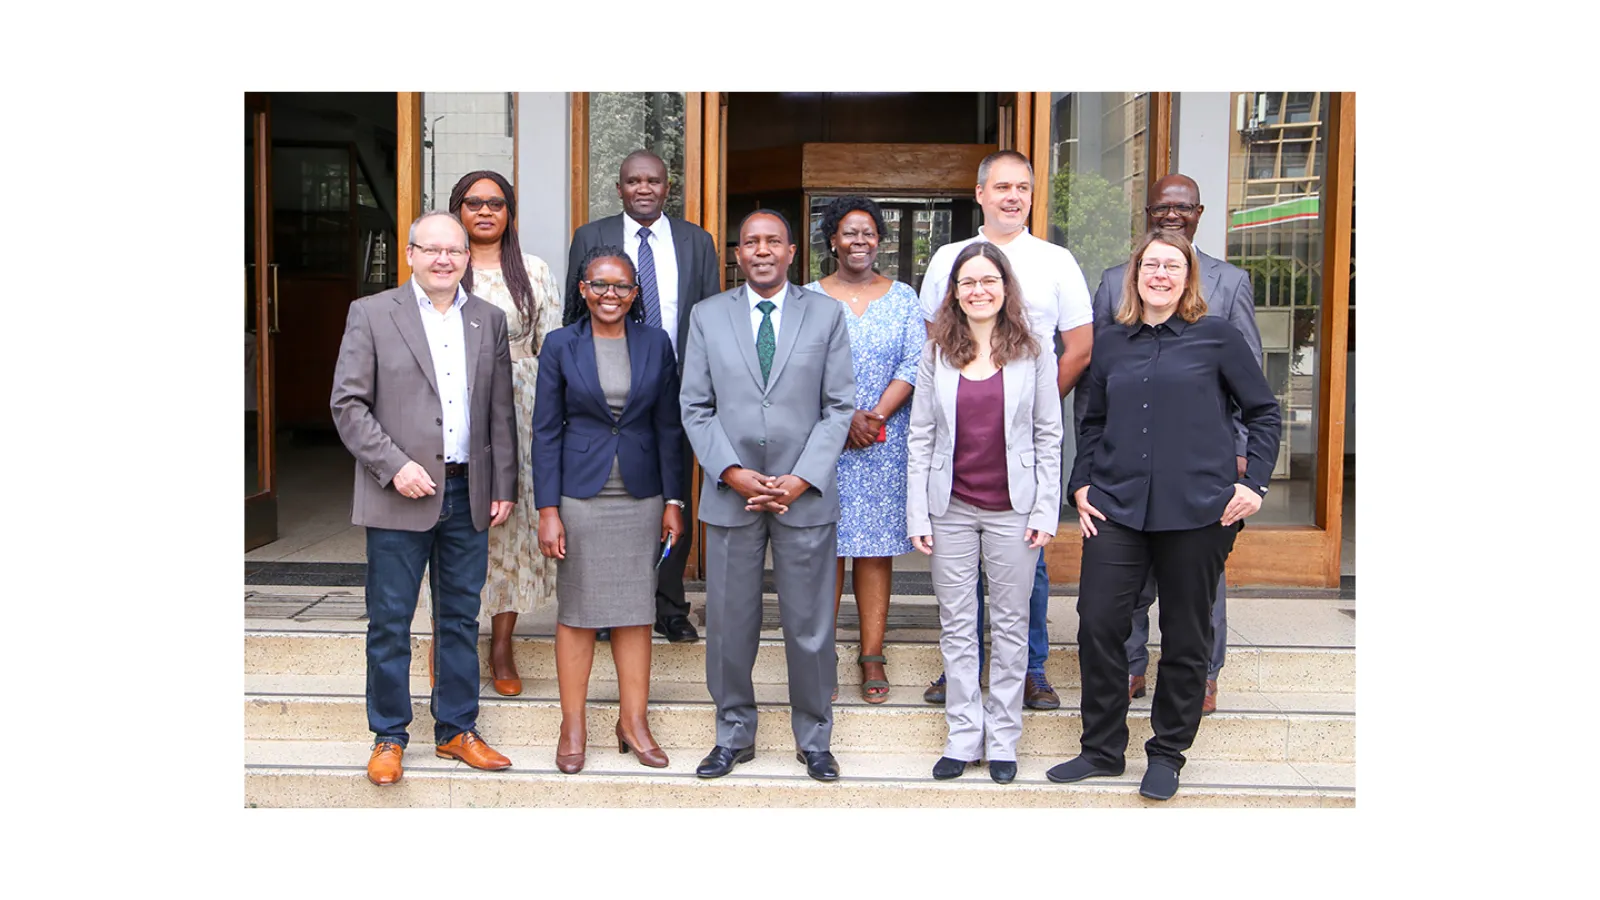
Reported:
(1156, 482)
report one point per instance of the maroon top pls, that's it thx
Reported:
(979, 464)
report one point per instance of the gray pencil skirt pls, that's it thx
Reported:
(608, 579)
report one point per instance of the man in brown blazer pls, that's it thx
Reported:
(422, 399)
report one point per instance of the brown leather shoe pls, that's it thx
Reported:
(384, 767)
(1135, 686)
(570, 763)
(654, 757)
(470, 749)
(1038, 694)
(1210, 705)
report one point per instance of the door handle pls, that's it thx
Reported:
(273, 299)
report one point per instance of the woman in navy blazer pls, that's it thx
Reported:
(607, 449)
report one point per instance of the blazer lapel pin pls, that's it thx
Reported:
(474, 323)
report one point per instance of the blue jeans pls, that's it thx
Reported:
(1038, 626)
(457, 557)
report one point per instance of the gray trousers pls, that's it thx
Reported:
(803, 565)
(989, 728)
(1139, 640)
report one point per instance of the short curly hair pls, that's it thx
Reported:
(835, 212)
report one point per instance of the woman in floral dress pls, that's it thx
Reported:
(886, 338)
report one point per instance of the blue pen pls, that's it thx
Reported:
(665, 552)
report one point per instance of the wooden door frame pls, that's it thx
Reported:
(261, 508)
(408, 174)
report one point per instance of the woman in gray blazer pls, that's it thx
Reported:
(983, 479)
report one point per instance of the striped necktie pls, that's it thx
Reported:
(647, 280)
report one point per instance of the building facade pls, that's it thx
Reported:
(332, 178)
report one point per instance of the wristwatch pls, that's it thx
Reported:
(678, 503)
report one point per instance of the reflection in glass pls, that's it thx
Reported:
(311, 208)
(1099, 154)
(1275, 230)
(1098, 159)
(461, 133)
(620, 123)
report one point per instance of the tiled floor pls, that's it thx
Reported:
(314, 511)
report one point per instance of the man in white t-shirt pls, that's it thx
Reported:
(1057, 299)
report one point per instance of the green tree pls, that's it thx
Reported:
(1093, 216)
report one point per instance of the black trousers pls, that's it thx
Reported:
(669, 581)
(1187, 565)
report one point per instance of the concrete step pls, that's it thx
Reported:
(333, 774)
(912, 664)
(1248, 726)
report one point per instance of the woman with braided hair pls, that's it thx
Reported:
(520, 578)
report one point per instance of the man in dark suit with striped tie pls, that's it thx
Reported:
(677, 266)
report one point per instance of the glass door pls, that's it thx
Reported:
(260, 325)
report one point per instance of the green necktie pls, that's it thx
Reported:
(766, 340)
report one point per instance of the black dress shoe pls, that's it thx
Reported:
(1160, 781)
(602, 634)
(820, 764)
(677, 629)
(1003, 771)
(1077, 769)
(721, 760)
(947, 768)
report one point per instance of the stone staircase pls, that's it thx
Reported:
(1283, 735)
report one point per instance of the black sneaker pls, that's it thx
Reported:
(935, 692)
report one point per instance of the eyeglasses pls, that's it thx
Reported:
(989, 282)
(452, 252)
(602, 288)
(474, 204)
(1149, 267)
(1166, 209)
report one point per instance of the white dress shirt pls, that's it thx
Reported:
(447, 344)
(755, 314)
(666, 258)
(1052, 285)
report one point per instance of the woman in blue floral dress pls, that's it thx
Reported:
(886, 338)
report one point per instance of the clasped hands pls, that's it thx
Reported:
(413, 482)
(764, 493)
(864, 428)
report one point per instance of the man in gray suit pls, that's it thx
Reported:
(767, 396)
(1174, 205)
(677, 266)
(422, 400)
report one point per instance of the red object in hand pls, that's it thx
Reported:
(883, 433)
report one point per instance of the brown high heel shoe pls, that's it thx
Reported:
(569, 763)
(510, 686)
(654, 757)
